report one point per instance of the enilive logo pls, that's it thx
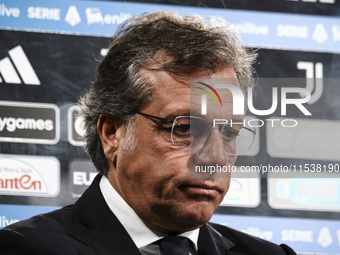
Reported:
(204, 97)
(95, 16)
(263, 234)
(250, 28)
(9, 11)
(17, 61)
(29, 176)
(4, 222)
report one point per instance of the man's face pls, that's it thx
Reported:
(154, 176)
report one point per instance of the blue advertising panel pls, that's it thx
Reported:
(303, 235)
(10, 214)
(258, 29)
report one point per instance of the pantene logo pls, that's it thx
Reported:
(24, 182)
(29, 176)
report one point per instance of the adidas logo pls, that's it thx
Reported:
(15, 65)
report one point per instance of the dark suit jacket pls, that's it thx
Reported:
(90, 228)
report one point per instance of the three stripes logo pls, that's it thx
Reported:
(17, 69)
(204, 97)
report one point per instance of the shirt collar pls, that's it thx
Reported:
(138, 231)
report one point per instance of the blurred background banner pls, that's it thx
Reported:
(258, 28)
(49, 51)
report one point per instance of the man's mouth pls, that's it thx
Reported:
(201, 189)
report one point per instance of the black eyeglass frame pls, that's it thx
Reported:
(155, 117)
(173, 123)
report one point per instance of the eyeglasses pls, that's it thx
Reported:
(192, 131)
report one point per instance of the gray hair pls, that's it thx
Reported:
(192, 45)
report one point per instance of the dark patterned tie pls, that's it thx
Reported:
(174, 245)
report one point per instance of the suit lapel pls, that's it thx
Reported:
(97, 228)
(212, 242)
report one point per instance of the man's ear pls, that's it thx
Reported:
(110, 133)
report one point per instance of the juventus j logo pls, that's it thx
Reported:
(314, 79)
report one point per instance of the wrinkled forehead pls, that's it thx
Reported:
(191, 93)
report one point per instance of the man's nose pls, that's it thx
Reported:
(212, 152)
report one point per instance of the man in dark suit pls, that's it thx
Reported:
(145, 133)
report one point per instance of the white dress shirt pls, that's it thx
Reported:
(143, 237)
